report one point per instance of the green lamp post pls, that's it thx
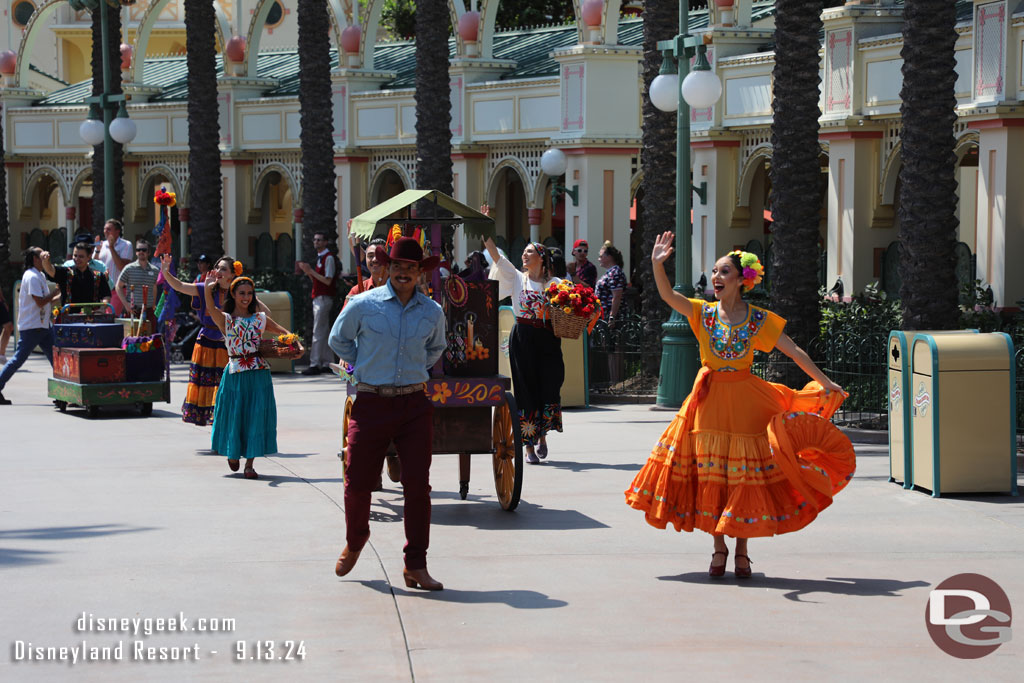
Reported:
(680, 355)
(117, 129)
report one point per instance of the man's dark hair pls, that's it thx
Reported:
(116, 223)
(142, 243)
(378, 242)
(322, 233)
(84, 246)
(29, 256)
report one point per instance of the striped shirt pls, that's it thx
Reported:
(138, 275)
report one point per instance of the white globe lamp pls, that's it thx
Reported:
(664, 92)
(122, 130)
(701, 89)
(91, 131)
(553, 162)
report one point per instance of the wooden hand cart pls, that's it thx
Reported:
(92, 394)
(471, 414)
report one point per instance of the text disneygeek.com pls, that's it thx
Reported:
(138, 649)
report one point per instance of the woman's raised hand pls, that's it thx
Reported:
(663, 247)
(211, 279)
(165, 262)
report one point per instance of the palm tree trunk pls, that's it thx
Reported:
(928, 198)
(6, 272)
(114, 59)
(316, 138)
(658, 161)
(433, 97)
(204, 199)
(796, 176)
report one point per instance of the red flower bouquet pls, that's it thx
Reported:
(571, 308)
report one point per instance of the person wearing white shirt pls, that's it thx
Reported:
(116, 253)
(33, 317)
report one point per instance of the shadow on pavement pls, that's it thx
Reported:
(796, 588)
(484, 513)
(54, 533)
(519, 599)
(584, 466)
(487, 514)
(10, 557)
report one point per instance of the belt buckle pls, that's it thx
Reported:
(387, 391)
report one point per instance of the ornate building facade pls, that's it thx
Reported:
(515, 94)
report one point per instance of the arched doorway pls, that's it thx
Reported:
(509, 210)
(271, 236)
(387, 185)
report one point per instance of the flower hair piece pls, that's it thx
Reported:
(237, 267)
(752, 270)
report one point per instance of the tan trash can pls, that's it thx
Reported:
(280, 305)
(963, 413)
(900, 434)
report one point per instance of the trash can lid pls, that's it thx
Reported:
(962, 352)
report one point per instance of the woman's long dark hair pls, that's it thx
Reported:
(229, 304)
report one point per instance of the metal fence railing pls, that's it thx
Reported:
(624, 361)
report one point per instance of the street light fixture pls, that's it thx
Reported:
(680, 355)
(554, 164)
(93, 131)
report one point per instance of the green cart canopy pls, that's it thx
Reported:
(379, 219)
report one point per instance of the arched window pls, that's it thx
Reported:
(22, 11)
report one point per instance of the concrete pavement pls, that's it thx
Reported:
(131, 518)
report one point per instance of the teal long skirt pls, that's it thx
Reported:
(245, 417)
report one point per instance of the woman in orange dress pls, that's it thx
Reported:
(743, 457)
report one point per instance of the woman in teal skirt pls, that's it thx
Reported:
(245, 416)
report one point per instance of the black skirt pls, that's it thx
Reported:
(535, 354)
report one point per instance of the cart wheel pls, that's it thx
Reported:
(344, 432)
(508, 453)
(93, 412)
(145, 409)
(62, 406)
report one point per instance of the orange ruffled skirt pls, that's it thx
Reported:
(745, 458)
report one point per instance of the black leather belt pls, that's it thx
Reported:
(390, 390)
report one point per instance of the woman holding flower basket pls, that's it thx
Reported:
(245, 418)
(534, 351)
(743, 457)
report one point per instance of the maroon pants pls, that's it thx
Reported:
(373, 424)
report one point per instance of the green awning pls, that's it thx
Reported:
(379, 219)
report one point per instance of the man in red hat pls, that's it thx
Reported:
(584, 272)
(391, 334)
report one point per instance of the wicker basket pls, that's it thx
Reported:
(271, 348)
(565, 325)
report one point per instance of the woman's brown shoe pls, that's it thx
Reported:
(346, 561)
(233, 464)
(743, 572)
(419, 578)
(717, 570)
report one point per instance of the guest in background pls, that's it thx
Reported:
(558, 268)
(583, 271)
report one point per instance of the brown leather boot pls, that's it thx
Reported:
(419, 578)
(347, 560)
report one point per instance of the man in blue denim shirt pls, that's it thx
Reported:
(391, 335)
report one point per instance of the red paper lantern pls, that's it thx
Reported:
(235, 49)
(350, 38)
(8, 63)
(469, 26)
(593, 11)
(126, 56)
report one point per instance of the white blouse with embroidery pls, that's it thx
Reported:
(528, 300)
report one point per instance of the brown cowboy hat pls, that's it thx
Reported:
(408, 249)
